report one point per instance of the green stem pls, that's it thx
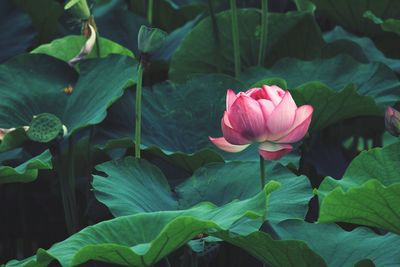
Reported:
(235, 35)
(167, 263)
(65, 168)
(138, 113)
(215, 34)
(262, 180)
(97, 43)
(98, 52)
(89, 150)
(266, 224)
(150, 11)
(264, 32)
(262, 172)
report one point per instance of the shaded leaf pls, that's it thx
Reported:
(370, 189)
(16, 30)
(197, 52)
(45, 15)
(282, 253)
(333, 106)
(389, 25)
(133, 186)
(27, 171)
(367, 45)
(178, 117)
(340, 248)
(41, 85)
(143, 239)
(374, 79)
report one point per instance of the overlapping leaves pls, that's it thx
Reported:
(200, 53)
(368, 193)
(133, 186)
(17, 31)
(340, 248)
(41, 83)
(143, 239)
(27, 171)
(40, 88)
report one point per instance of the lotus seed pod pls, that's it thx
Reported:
(44, 128)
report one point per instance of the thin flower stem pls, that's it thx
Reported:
(167, 263)
(215, 34)
(262, 179)
(264, 32)
(150, 11)
(98, 52)
(65, 169)
(262, 172)
(138, 113)
(235, 35)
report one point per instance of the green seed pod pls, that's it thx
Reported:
(150, 39)
(79, 8)
(44, 128)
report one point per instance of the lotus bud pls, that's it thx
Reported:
(392, 121)
(268, 116)
(86, 49)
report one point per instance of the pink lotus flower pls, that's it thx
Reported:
(266, 115)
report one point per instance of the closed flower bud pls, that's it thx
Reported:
(392, 121)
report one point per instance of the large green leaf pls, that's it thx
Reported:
(340, 248)
(197, 52)
(44, 14)
(178, 117)
(368, 193)
(367, 45)
(27, 171)
(374, 79)
(189, 162)
(145, 238)
(13, 140)
(222, 183)
(40, 89)
(118, 24)
(332, 106)
(164, 10)
(69, 46)
(133, 186)
(342, 87)
(16, 31)
(282, 253)
(349, 14)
